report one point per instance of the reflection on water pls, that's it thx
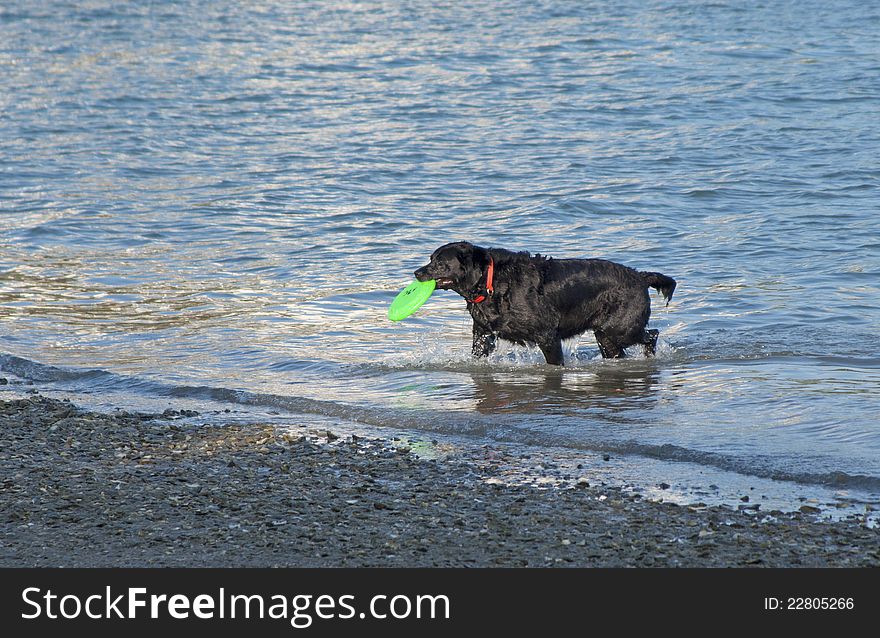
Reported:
(605, 392)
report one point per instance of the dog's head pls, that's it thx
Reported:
(458, 266)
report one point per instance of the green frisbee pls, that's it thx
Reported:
(411, 299)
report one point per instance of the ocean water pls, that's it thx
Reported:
(213, 204)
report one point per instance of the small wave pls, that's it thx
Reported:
(503, 428)
(33, 371)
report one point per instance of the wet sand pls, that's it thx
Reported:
(95, 490)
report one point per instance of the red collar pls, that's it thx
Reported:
(490, 275)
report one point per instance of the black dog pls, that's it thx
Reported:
(527, 298)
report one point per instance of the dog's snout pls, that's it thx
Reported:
(422, 274)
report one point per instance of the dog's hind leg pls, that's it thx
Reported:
(649, 339)
(552, 349)
(608, 347)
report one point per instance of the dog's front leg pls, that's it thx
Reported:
(552, 349)
(484, 342)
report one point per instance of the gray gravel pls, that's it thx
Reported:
(85, 489)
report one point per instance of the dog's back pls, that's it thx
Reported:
(591, 293)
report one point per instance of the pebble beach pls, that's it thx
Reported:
(126, 489)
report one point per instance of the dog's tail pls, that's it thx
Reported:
(661, 283)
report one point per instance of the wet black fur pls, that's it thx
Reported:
(541, 300)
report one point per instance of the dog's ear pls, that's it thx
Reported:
(474, 261)
(481, 258)
(475, 257)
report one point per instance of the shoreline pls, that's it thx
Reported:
(87, 489)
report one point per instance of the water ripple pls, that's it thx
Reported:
(219, 194)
